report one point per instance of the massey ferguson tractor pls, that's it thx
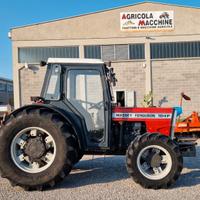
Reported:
(40, 143)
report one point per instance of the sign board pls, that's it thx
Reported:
(147, 21)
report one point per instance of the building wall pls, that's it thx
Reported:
(122, 83)
(131, 77)
(171, 77)
(30, 84)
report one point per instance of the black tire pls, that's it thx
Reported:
(142, 142)
(80, 155)
(66, 153)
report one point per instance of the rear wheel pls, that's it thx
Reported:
(154, 161)
(37, 149)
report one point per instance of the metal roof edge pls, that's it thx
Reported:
(5, 79)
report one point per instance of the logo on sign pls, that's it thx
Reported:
(157, 20)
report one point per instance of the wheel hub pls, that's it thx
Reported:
(35, 148)
(155, 160)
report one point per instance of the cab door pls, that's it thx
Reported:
(86, 94)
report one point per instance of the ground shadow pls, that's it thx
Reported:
(188, 179)
(192, 177)
(97, 170)
(112, 168)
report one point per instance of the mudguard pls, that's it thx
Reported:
(63, 113)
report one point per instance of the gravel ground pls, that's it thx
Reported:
(99, 177)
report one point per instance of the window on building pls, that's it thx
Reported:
(108, 52)
(36, 54)
(120, 98)
(121, 52)
(2, 87)
(115, 52)
(9, 88)
(175, 50)
(92, 51)
(136, 51)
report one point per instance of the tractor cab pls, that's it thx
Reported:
(82, 86)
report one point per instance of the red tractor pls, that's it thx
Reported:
(41, 142)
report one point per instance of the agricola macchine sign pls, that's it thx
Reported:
(146, 21)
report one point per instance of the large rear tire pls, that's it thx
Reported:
(37, 149)
(154, 161)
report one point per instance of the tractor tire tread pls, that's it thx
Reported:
(131, 157)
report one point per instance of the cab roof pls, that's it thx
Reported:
(75, 61)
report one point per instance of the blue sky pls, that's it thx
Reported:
(22, 12)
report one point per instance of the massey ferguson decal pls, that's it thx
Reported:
(138, 21)
(142, 115)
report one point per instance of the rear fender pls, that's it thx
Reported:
(64, 114)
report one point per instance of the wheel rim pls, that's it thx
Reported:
(154, 162)
(33, 150)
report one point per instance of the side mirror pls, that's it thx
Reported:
(42, 63)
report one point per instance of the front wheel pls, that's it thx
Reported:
(154, 161)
